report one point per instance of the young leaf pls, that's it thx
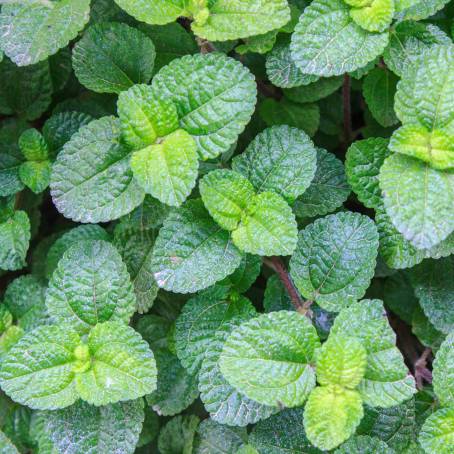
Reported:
(192, 252)
(335, 259)
(437, 433)
(90, 285)
(35, 175)
(418, 199)
(91, 178)
(375, 16)
(331, 415)
(14, 241)
(214, 95)
(327, 42)
(167, 170)
(443, 371)
(32, 31)
(270, 358)
(111, 57)
(279, 159)
(7, 445)
(33, 145)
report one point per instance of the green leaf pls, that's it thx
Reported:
(214, 95)
(6, 319)
(121, 366)
(25, 91)
(443, 371)
(168, 170)
(177, 436)
(437, 433)
(199, 320)
(226, 195)
(9, 338)
(86, 428)
(35, 175)
(361, 444)
(144, 116)
(6, 445)
(192, 252)
(14, 241)
(276, 297)
(386, 381)
(154, 329)
(435, 290)
(335, 259)
(90, 285)
(233, 19)
(38, 370)
(331, 415)
(379, 88)
(33, 145)
(214, 438)
(281, 159)
(418, 9)
(268, 227)
(341, 361)
(327, 42)
(399, 296)
(176, 388)
(375, 16)
(111, 57)
(314, 91)
(434, 147)
(68, 239)
(270, 358)
(418, 199)
(246, 274)
(282, 434)
(363, 161)
(328, 190)
(425, 331)
(32, 31)
(91, 178)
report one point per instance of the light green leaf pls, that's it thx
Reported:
(86, 428)
(233, 19)
(199, 320)
(6, 445)
(362, 443)
(363, 161)
(331, 415)
(14, 241)
(335, 259)
(177, 436)
(214, 438)
(327, 42)
(33, 145)
(443, 371)
(418, 9)
(434, 147)
(111, 57)
(328, 190)
(214, 95)
(91, 178)
(167, 170)
(156, 12)
(425, 331)
(192, 252)
(9, 338)
(341, 361)
(375, 16)
(176, 388)
(268, 227)
(434, 287)
(38, 370)
(144, 116)
(90, 285)
(281, 159)
(379, 88)
(437, 433)
(6, 319)
(271, 357)
(226, 195)
(31, 31)
(313, 91)
(120, 366)
(418, 199)
(35, 175)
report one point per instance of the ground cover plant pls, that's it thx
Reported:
(226, 226)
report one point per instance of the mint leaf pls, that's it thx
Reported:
(314, 91)
(362, 443)
(214, 438)
(443, 372)
(6, 445)
(159, 12)
(177, 436)
(437, 434)
(14, 241)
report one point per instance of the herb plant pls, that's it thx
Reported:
(226, 226)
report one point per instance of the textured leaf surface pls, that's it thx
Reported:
(375, 16)
(268, 227)
(86, 428)
(192, 252)
(167, 170)
(111, 57)
(90, 285)
(14, 241)
(327, 42)
(437, 433)
(122, 366)
(315, 90)
(270, 358)
(418, 199)
(35, 175)
(362, 444)
(331, 415)
(443, 372)
(6, 445)
(279, 159)
(177, 436)
(214, 438)
(91, 178)
(156, 12)
(335, 259)
(31, 31)
(214, 95)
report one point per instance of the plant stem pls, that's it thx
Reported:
(205, 46)
(421, 370)
(347, 110)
